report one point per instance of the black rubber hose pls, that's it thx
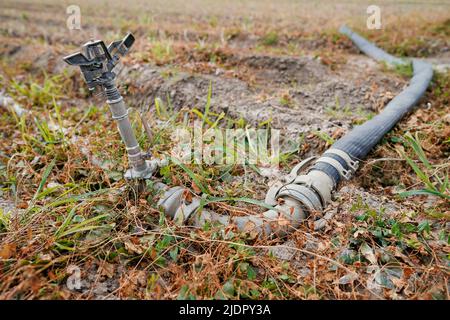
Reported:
(369, 48)
(359, 141)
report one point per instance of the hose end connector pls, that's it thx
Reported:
(314, 188)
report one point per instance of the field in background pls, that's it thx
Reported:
(64, 207)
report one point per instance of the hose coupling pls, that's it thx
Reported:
(314, 188)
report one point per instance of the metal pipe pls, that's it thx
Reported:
(139, 167)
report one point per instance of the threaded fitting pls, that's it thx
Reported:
(112, 93)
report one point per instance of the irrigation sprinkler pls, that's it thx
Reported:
(97, 62)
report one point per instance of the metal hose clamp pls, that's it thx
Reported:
(346, 174)
(353, 165)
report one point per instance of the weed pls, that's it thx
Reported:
(162, 51)
(388, 231)
(285, 99)
(41, 94)
(405, 70)
(270, 39)
(324, 136)
(337, 111)
(434, 177)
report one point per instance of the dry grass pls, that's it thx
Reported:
(73, 207)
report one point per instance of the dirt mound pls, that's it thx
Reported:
(286, 70)
(310, 97)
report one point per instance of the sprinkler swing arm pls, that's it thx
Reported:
(97, 61)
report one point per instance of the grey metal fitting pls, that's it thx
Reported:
(278, 222)
(313, 189)
(175, 205)
(344, 173)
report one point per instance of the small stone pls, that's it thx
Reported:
(283, 252)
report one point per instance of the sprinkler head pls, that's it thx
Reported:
(97, 61)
